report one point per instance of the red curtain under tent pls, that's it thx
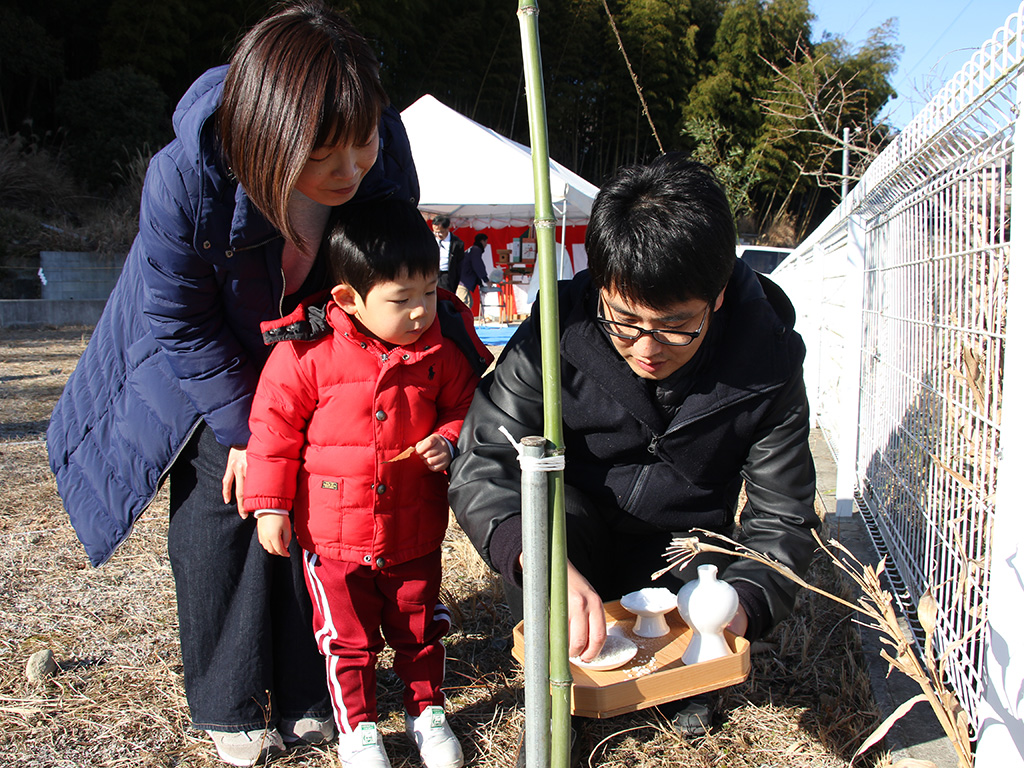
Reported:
(483, 181)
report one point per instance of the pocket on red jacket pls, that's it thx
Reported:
(320, 512)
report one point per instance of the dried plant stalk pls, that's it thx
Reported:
(876, 605)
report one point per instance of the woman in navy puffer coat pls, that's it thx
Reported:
(231, 216)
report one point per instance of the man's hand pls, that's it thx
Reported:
(738, 625)
(275, 533)
(435, 452)
(587, 623)
(234, 478)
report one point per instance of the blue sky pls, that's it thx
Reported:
(938, 37)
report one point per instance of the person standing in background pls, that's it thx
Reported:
(452, 252)
(474, 273)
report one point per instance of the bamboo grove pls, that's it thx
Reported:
(739, 83)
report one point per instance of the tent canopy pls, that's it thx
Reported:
(479, 178)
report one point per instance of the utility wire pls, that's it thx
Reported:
(913, 69)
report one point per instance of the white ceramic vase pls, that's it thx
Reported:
(707, 605)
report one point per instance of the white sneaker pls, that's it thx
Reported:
(434, 739)
(307, 730)
(246, 748)
(362, 748)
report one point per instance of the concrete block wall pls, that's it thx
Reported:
(78, 275)
(75, 287)
(37, 313)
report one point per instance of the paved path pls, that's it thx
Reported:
(917, 735)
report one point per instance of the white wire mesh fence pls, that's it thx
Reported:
(902, 294)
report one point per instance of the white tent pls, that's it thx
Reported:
(478, 177)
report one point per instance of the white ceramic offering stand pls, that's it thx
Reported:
(707, 605)
(650, 606)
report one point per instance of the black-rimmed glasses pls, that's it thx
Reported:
(661, 335)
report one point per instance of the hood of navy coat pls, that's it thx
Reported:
(194, 125)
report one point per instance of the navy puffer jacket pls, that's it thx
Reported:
(179, 339)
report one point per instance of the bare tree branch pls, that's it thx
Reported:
(810, 104)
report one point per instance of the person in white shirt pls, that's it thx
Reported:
(452, 251)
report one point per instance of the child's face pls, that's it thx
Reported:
(395, 311)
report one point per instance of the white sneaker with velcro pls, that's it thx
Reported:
(434, 739)
(362, 748)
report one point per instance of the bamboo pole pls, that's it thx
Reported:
(560, 676)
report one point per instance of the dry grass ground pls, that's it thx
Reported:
(117, 698)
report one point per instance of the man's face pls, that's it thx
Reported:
(439, 232)
(646, 356)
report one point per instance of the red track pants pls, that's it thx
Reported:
(352, 605)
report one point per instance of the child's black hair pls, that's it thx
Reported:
(368, 243)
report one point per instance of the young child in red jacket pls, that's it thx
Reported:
(353, 426)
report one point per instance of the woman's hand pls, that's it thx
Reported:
(234, 478)
(435, 452)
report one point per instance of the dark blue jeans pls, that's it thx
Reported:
(244, 615)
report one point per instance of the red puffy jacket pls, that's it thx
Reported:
(328, 415)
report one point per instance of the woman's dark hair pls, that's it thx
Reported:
(662, 233)
(479, 240)
(301, 79)
(368, 243)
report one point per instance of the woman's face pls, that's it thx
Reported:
(332, 175)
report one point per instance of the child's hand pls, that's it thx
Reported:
(275, 532)
(434, 451)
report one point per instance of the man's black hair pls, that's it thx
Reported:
(480, 240)
(368, 243)
(662, 233)
(442, 221)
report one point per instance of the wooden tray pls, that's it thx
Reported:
(655, 675)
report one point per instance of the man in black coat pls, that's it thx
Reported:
(681, 380)
(452, 251)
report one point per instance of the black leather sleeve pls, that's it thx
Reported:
(779, 515)
(485, 481)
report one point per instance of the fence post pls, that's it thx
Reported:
(813, 332)
(848, 423)
(1001, 730)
